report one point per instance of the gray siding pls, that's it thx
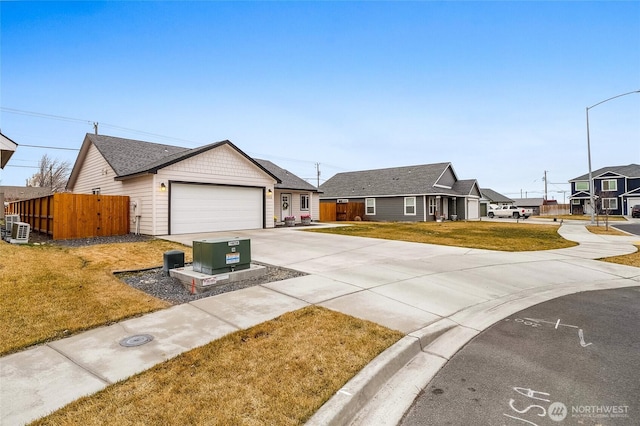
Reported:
(392, 209)
(447, 179)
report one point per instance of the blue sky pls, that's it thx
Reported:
(497, 88)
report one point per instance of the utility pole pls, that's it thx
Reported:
(318, 175)
(545, 185)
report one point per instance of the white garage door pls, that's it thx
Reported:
(212, 208)
(630, 203)
(473, 207)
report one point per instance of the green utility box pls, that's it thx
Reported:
(221, 255)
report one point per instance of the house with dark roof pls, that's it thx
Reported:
(418, 193)
(489, 196)
(175, 190)
(616, 189)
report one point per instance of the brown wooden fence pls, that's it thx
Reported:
(332, 211)
(554, 209)
(67, 216)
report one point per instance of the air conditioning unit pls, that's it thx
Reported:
(20, 233)
(9, 220)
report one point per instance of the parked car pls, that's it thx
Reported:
(509, 211)
(635, 210)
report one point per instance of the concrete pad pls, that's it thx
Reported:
(382, 310)
(175, 330)
(197, 282)
(35, 382)
(250, 306)
(427, 294)
(312, 288)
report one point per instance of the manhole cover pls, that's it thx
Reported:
(137, 340)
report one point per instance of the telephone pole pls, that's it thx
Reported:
(545, 185)
(318, 175)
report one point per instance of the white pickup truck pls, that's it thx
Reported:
(509, 211)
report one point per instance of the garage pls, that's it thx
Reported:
(630, 203)
(473, 209)
(211, 208)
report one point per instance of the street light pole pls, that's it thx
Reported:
(591, 183)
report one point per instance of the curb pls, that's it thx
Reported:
(344, 406)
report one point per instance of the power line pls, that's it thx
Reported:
(49, 147)
(43, 115)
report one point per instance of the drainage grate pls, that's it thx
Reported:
(137, 340)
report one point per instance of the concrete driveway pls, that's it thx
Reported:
(406, 286)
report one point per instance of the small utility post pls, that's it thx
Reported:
(318, 175)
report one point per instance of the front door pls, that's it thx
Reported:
(285, 205)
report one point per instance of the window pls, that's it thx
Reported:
(610, 203)
(304, 201)
(410, 206)
(610, 185)
(576, 202)
(582, 186)
(370, 204)
(432, 205)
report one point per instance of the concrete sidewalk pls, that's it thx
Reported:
(420, 289)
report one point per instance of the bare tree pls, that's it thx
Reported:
(51, 174)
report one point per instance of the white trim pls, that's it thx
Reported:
(366, 207)
(415, 207)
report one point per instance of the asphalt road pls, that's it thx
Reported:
(574, 360)
(632, 228)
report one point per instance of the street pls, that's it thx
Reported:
(574, 360)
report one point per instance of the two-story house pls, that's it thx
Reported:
(616, 189)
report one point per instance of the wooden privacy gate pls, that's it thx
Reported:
(66, 216)
(331, 211)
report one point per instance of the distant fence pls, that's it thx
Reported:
(555, 210)
(66, 216)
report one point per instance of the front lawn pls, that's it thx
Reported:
(482, 235)
(49, 292)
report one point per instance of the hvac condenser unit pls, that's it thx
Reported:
(9, 220)
(221, 255)
(20, 233)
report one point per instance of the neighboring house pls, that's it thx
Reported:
(413, 193)
(489, 196)
(534, 204)
(175, 190)
(7, 148)
(616, 188)
(18, 193)
(293, 196)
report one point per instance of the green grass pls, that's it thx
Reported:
(482, 235)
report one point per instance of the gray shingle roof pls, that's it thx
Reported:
(494, 196)
(631, 170)
(407, 180)
(128, 156)
(289, 180)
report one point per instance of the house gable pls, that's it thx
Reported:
(7, 148)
